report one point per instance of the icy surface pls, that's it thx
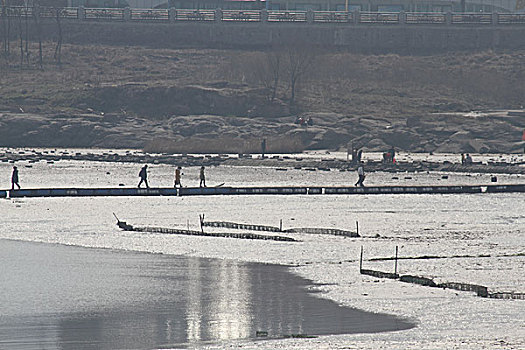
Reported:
(459, 228)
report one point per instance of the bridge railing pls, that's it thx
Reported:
(18, 11)
(471, 18)
(378, 18)
(149, 15)
(506, 18)
(321, 17)
(195, 15)
(425, 18)
(43, 12)
(286, 16)
(241, 16)
(64, 12)
(333, 17)
(104, 14)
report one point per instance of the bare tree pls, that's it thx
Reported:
(21, 36)
(58, 49)
(299, 60)
(26, 19)
(269, 70)
(36, 17)
(6, 19)
(3, 15)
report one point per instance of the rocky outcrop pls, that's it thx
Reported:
(159, 102)
(428, 133)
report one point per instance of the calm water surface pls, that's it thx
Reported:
(66, 297)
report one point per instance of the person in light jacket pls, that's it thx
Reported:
(361, 174)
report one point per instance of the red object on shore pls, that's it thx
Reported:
(523, 137)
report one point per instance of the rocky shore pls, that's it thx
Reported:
(487, 132)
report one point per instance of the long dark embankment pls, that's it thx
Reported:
(277, 190)
(382, 38)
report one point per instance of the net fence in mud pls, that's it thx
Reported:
(323, 231)
(165, 230)
(311, 230)
(507, 295)
(233, 225)
(480, 290)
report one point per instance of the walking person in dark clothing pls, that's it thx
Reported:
(361, 173)
(14, 178)
(263, 147)
(202, 177)
(354, 155)
(392, 155)
(177, 177)
(143, 174)
(359, 155)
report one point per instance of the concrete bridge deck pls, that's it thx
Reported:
(278, 190)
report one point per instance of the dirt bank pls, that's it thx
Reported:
(106, 96)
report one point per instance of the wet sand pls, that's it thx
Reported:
(67, 297)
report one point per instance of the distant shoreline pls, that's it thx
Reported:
(277, 161)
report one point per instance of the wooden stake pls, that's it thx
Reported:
(281, 225)
(361, 260)
(395, 267)
(201, 220)
(357, 227)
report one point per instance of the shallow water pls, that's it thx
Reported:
(67, 297)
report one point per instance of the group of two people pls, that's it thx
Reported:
(143, 174)
(389, 156)
(466, 159)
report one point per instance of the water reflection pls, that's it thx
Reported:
(110, 300)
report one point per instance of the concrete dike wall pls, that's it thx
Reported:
(374, 37)
(365, 39)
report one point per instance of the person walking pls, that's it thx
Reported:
(392, 155)
(143, 174)
(361, 174)
(14, 178)
(263, 148)
(359, 155)
(202, 177)
(177, 177)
